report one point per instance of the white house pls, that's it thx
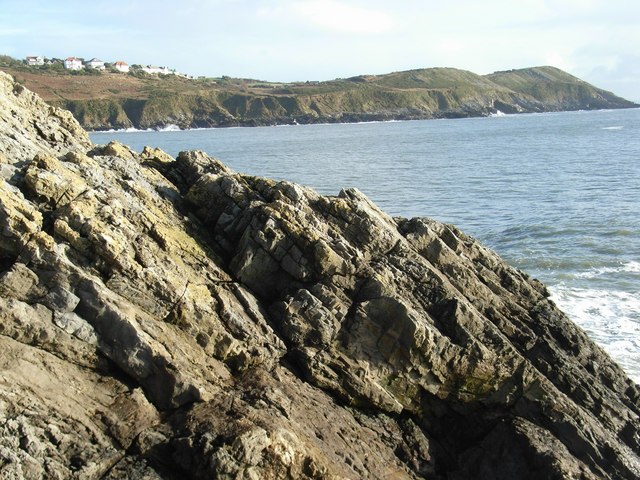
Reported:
(156, 70)
(121, 66)
(73, 63)
(37, 60)
(95, 64)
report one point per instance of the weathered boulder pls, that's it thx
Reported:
(164, 319)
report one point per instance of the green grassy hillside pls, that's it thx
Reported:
(556, 88)
(111, 100)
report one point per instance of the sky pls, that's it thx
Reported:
(298, 40)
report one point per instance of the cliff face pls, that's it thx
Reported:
(169, 318)
(119, 101)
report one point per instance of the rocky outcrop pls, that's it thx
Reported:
(169, 318)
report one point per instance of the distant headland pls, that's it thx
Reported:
(116, 95)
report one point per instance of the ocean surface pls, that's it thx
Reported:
(557, 195)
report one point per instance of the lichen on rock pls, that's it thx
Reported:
(170, 318)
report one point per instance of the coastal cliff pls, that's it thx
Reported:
(119, 101)
(169, 318)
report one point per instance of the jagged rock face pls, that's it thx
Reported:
(169, 318)
(28, 125)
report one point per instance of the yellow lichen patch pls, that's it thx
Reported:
(46, 162)
(116, 149)
(473, 384)
(81, 211)
(110, 246)
(38, 245)
(405, 391)
(48, 178)
(80, 159)
(19, 220)
(328, 262)
(293, 223)
(43, 240)
(176, 241)
(157, 155)
(64, 231)
(339, 207)
(199, 294)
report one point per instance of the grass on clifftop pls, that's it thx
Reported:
(116, 100)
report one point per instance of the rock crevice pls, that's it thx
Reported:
(169, 318)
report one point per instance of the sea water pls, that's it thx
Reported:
(557, 195)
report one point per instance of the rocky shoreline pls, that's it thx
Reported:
(169, 318)
(344, 118)
(290, 121)
(217, 118)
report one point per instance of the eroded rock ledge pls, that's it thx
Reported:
(169, 318)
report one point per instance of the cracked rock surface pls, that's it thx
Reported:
(168, 318)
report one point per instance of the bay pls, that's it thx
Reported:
(556, 195)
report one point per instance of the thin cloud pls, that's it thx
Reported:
(290, 40)
(559, 60)
(8, 31)
(341, 17)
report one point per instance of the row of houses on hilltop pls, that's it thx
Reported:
(75, 63)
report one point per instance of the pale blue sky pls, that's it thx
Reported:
(287, 40)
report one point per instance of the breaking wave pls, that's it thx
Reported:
(610, 317)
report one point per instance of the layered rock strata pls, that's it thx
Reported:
(168, 318)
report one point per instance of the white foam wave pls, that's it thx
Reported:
(365, 122)
(629, 267)
(611, 318)
(122, 130)
(170, 128)
(615, 127)
(166, 128)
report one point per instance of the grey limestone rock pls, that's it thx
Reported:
(165, 319)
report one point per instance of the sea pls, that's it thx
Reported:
(557, 195)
